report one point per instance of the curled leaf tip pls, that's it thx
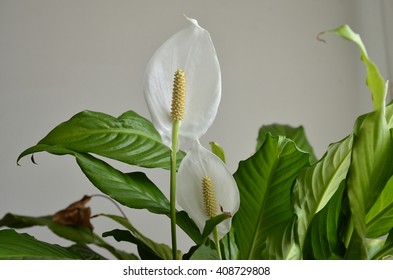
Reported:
(319, 37)
(32, 159)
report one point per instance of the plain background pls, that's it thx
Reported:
(58, 58)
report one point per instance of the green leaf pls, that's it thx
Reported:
(317, 184)
(356, 248)
(296, 134)
(133, 190)
(369, 171)
(162, 251)
(15, 221)
(77, 234)
(374, 246)
(229, 246)
(80, 235)
(218, 151)
(205, 252)
(323, 241)
(374, 80)
(386, 252)
(129, 138)
(145, 252)
(86, 252)
(188, 226)
(379, 220)
(21, 246)
(263, 224)
(212, 223)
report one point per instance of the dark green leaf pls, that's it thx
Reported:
(134, 190)
(16, 221)
(79, 235)
(188, 226)
(21, 246)
(145, 252)
(212, 223)
(162, 251)
(76, 234)
(356, 248)
(263, 224)
(121, 235)
(205, 252)
(129, 138)
(85, 252)
(323, 239)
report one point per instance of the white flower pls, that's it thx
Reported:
(192, 51)
(199, 164)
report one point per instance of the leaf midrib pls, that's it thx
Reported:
(102, 131)
(254, 240)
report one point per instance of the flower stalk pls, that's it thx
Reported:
(177, 114)
(175, 134)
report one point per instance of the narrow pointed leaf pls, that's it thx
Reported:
(374, 80)
(317, 184)
(218, 151)
(263, 224)
(129, 138)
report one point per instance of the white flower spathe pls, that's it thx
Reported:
(192, 51)
(197, 164)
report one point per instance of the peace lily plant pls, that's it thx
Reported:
(281, 203)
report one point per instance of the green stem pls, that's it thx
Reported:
(217, 241)
(175, 134)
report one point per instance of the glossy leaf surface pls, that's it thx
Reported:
(263, 224)
(129, 138)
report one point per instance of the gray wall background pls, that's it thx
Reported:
(58, 58)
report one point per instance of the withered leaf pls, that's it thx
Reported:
(76, 214)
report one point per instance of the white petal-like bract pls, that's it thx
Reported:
(191, 50)
(198, 163)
